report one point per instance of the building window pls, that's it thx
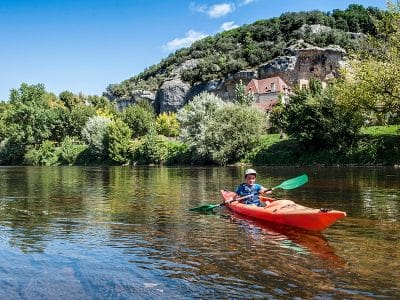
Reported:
(303, 86)
(272, 87)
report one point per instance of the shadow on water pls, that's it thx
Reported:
(301, 241)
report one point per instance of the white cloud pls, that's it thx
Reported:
(228, 26)
(186, 41)
(246, 2)
(220, 10)
(213, 11)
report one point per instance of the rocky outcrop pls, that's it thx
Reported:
(301, 62)
(305, 61)
(135, 96)
(172, 95)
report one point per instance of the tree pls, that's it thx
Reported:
(119, 135)
(241, 97)
(139, 118)
(194, 118)
(372, 81)
(233, 132)
(317, 120)
(95, 135)
(167, 124)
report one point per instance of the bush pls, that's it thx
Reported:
(45, 155)
(194, 119)
(152, 150)
(317, 121)
(178, 153)
(119, 135)
(95, 135)
(70, 151)
(167, 124)
(139, 119)
(11, 151)
(233, 132)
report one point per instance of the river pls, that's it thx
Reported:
(127, 233)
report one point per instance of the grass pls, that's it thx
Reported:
(378, 145)
(381, 130)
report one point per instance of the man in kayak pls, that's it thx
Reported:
(251, 189)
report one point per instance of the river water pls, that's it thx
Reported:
(127, 233)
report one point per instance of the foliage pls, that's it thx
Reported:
(241, 96)
(12, 151)
(95, 135)
(317, 121)
(139, 119)
(194, 119)
(44, 155)
(372, 84)
(233, 132)
(167, 124)
(178, 153)
(70, 150)
(29, 118)
(153, 149)
(119, 146)
(71, 100)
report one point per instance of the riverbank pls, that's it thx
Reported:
(377, 145)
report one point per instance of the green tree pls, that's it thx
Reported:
(372, 81)
(194, 119)
(241, 96)
(233, 132)
(95, 135)
(139, 119)
(318, 121)
(119, 147)
(167, 124)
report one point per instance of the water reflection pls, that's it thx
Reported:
(118, 232)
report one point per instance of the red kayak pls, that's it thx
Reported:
(285, 212)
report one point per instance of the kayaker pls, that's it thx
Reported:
(251, 188)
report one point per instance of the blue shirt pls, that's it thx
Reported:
(254, 191)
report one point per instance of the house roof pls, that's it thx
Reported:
(263, 86)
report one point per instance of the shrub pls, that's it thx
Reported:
(167, 124)
(11, 151)
(317, 121)
(194, 119)
(45, 155)
(70, 151)
(119, 135)
(233, 132)
(178, 153)
(95, 135)
(139, 119)
(152, 150)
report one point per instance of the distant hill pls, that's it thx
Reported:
(249, 46)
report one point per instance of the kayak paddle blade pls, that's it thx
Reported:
(205, 208)
(293, 183)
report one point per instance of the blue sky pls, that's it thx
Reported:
(85, 45)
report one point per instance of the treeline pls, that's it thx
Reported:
(254, 44)
(40, 128)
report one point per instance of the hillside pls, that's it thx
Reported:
(249, 46)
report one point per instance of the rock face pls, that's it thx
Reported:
(304, 63)
(172, 95)
(301, 62)
(136, 95)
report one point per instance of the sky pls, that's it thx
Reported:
(85, 45)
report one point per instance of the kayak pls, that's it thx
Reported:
(285, 212)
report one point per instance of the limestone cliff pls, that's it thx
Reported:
(301, 62)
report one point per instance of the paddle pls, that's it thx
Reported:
(286, 185)
(209, 207)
